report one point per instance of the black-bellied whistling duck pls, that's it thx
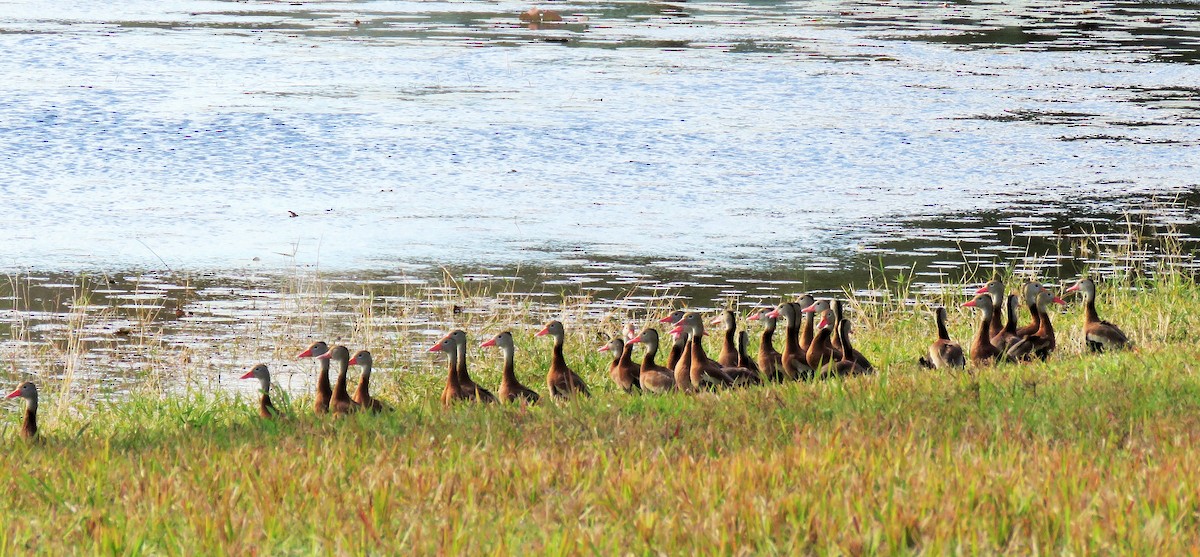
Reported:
(944, 353)
(362, 395)
(982, 351)
(324, 389)
(680, 340)
(792, 361)
(623, 371)
(29, 392)
(701, 370)
(855, 355)
(704, 370)
(1098, 334)
(1029, 295)
(770, 361)
(464, 378)
(848, 365)
(341, 403)
(1008, 335)
(744, 360)
(561, 381)
(821, 351)
(1041, 343)
(453, 391)
(728, 356)
(510, 388)
(265, 408)
(995, 289)
(653, 377)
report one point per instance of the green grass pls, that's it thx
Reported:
(1081, 454)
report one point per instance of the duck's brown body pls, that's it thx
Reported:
(653, 377)
(1097, 333)
(821, 351)
(510, 388)
(855, 355)
(622, 370)
(944, 353)
(848, 365)
(1043, 341)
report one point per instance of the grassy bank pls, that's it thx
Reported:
(1082, 454)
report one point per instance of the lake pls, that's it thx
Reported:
(216, 153)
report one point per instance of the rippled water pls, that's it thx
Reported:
(751, 135)
(719, 149)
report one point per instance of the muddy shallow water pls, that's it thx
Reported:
(710, 149)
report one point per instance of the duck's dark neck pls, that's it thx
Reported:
(1045, 327)
(676, 352)
(766, 343)
(651, 354)
(509, 374)
(743, 352)
(844, 339)
(941, 324)
(558, 351)
(1092, 316)
(452, 375)
(697, 350)
(626, 357)
(463, 376)
(1011, 326)
(339, 390)
(730, 346)
(1035, 314)
(806, 339)
(323, 386)
(985, 325)
(363, 392)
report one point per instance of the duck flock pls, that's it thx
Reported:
(811, 350)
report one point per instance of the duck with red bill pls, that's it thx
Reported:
(324, 389)
(266, 408)
(511, 389)
(29, 392)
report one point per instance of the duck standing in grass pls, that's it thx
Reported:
(266, 409)
(1098, 333)
(510, 388)
(324, 388)
(653, 377)
(29, 392)
(342, 404)
(561, 380)
(362, 395)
